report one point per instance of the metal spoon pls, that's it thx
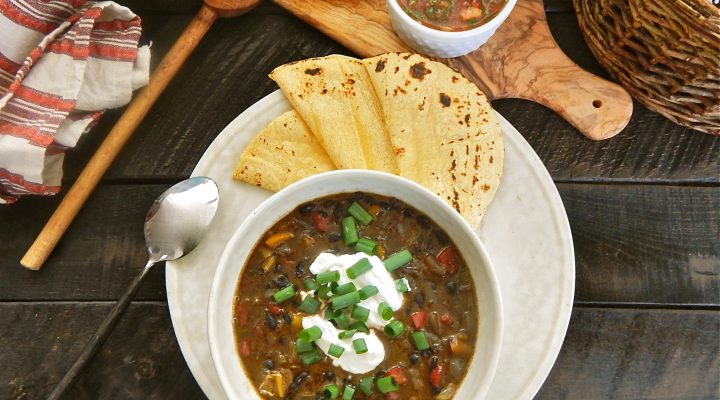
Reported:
(174, 225)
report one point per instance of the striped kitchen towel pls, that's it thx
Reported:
(62, 63)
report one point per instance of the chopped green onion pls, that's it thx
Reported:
(347, 334)
(366, 245)
(344, 289)
(346, 300)
(310, 334)
(359, 346)
(324, 292)
(359, 268)
(359, 313)
(303, 345)
(331, 391)
(402, 286)
(310, 305)
(366, 385)
(387, 384)
(368, 292)
(349, 230)
(342, 321)
(360, 327)
(394, 328)
(397, 260)
(348, 392)
(330, 313)
(335, 350)
(359, 213)
(310, 284)
(385, 311)
(285, 293)
(327, 277)
(310, 357)
(421, 342)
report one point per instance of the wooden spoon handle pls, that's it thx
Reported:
(116, 139)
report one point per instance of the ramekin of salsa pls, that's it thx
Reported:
(375, 289)
(447, 28)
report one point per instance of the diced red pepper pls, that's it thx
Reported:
(320, 221)
(419, 318)
(274, 309)
(397, 374)
(287, 263)
(393, 396)
(240, 316)
(446, 319)
(449, 258)
(244, 348)
(436, 375)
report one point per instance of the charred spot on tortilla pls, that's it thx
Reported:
(444, 100)
(380, 66)
(418, 71)
(455, 79)
(313, 71)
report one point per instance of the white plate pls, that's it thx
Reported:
(525, 231)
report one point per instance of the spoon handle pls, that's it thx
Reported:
(97, 339)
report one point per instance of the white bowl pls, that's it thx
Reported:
(222, 344)
(436, 43)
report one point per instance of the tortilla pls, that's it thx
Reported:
(335, 98)
(443, 130)
(282, 153)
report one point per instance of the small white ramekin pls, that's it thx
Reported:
(436, 43)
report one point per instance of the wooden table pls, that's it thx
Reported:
(644, 209)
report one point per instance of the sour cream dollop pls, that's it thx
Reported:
(379, 277)
(348, 360)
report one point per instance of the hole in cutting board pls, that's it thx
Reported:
(597, 103)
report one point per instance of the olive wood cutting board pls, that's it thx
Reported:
(521, 60)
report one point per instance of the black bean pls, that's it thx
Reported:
(419, 298)
(300, 270)
(329, 376)
(286, 317)
(426, 353)
(334, 237)
(270, 321)
(435, 347)
(295, 385)
(451, 287)
(269, 364)
(281, 281)
(346, 381)
(441, 237)
(433, 361)
(408, 212)
(277, 267)
(414, 358)
(436, 389)
(379, 374)
(433, 285)
(423, 221)
(307, 208)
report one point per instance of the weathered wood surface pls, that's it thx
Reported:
(228, 71)
(608, 354)
(644, 209)
(634, 244)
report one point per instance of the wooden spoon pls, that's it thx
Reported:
(126, 125)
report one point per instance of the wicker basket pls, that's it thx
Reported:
(666, 53)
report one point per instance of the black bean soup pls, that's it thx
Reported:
(428, 342)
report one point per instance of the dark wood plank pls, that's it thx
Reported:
(634, 244)
(607, 354)
(645, 244)
(228, 73)
(140, 360)
(638, 354)
(97, 258)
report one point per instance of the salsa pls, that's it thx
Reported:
(398, 320)
(452, 15)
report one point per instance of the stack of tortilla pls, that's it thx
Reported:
(397, 113)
